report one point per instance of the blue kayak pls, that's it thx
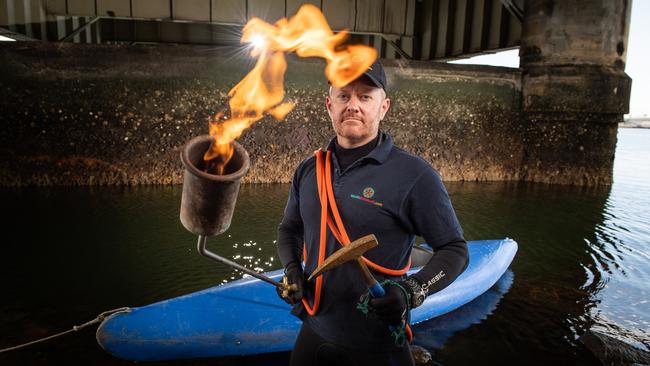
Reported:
(246, 317)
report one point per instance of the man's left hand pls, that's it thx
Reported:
(392, 307)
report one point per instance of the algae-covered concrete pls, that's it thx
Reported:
(100, 114)
(574, 88)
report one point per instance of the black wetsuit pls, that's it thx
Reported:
(313, 350)
(383, 190)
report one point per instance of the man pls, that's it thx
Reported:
(378, 189)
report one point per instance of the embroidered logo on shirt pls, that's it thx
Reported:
(368, 193)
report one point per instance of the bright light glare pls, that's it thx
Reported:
(3, 38)
(257, 41)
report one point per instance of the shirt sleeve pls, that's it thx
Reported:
(430, 212)
(290, 231)
(432, 216)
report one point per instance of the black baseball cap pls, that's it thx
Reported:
(377, 75)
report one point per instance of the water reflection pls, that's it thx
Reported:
(548, 303)
(433, 333)
(620, 250)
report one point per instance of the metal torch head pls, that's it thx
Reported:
(208, 200)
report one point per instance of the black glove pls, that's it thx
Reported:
(392, 308)
(294, 276)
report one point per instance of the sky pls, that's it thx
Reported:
(638, 53)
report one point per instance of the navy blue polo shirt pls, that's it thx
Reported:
(390, 193)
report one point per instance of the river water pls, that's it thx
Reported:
(583, 262)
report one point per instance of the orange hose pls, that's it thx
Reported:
(344, 238)
(323, 236)
(326, 195)
(409, 333)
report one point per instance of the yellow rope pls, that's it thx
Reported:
(75, 328)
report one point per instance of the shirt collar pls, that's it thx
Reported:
(379, 153)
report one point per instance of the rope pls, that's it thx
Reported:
(402, 333)
(75, 328)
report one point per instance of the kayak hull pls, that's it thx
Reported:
(246, 316)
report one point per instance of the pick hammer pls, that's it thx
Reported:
(353, 252)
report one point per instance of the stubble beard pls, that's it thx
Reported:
(354, 134)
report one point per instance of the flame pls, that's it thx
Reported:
(262, 91)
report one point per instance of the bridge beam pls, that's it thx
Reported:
(574, 88)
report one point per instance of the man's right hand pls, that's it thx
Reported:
(294, 275)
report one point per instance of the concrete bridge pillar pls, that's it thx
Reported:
(574, 88)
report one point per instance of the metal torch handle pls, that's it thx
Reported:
(201, 248)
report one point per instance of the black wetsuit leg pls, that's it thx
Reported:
(310, 349)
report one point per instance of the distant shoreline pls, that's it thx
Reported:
(628, 125)
(635, 123)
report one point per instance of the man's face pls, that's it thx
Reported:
(356, 110)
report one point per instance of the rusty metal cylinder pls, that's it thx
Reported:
(208, 200)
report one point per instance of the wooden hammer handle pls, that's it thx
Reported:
(367, 276)
(375, 288)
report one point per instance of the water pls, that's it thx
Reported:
(583, 262)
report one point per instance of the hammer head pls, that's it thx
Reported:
(352, 251)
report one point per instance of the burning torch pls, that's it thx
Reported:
(208, 199)
(214, 164)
